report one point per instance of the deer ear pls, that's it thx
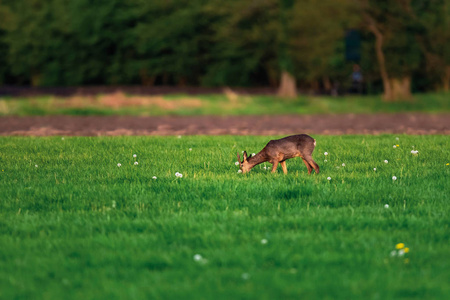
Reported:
(239, 157)
(245, 155)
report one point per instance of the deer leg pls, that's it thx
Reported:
(283, 165)
(307, 166)
(313, 164)
(274, 167)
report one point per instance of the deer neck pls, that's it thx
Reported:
(259, 158)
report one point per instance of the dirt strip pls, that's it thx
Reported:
(414, 123)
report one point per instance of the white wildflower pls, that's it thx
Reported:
(239, 171)
(190, 149)
(343, 165)
(198, 257)
(394, 146)
(179, 136)
(397, 138)
(134, 155)
(414, 152)
(236, 163)
(245, 276)
(36, 166)
(253, 154)
(326, 153)
(154, 177)
(386, 206)
(328, 178)
(394, 178)
(393, 253)
(119, 165)
(113, 205)
(325, 160)
(263, 241)
(136, 163)
(179, 175)
(374, 169)
(385, 161)
(401, 252)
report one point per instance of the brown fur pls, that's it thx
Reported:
(278, 151)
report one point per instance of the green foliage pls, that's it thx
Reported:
(74, 225)
(214, 43)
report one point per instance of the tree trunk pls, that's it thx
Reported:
(327, 84)
(446, 79)
(146, 79)
(288, 87)
(400, 88)
(388, 95)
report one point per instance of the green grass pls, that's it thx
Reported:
(77, 226)
(217, 105)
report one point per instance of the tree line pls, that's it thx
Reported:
(400, 45)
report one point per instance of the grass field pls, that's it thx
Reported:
(220, 104)
(75, 225)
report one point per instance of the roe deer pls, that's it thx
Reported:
(278, 151)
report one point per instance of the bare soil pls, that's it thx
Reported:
(411, 123)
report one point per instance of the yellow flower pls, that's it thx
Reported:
(400, 246)
(447, 164)
(397, 145)
(406, 250)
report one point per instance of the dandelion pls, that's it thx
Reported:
(263, 241)
(394, 178)
(119, 165)
(239, 171)
(154, 177)
(375, 169)
(328, 178)
(136, 163)
(386, 206)
(385, 161)
(326, 153)
(134, 155)
(447, 164)
(406, 250)
(343, 165)
(236, 163)
(400, 246)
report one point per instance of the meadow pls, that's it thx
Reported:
(79, 219)
(217, 104)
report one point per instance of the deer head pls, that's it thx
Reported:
(244, 165)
